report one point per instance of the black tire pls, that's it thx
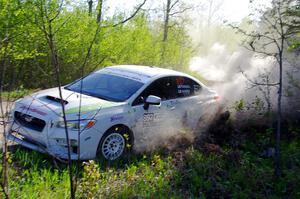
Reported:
(115, 143)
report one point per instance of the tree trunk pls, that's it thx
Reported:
(4, 183)
(166, 29)
(166, 22)
(54, 58)
(90, 2)
(99, 9)
(5, 156)
(279, 115)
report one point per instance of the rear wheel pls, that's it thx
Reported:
(114, 144)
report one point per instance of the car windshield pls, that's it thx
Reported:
(105, 86)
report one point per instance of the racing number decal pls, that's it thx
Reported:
(183, 89)
(150, 119)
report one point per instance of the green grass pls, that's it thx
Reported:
(189, 173)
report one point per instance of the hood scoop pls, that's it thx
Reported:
(56, 99)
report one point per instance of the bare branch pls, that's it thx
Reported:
(49, 35)
(271, 24)
(256, 83)
(181, 11)
(132, 16)
(255, 36)
(172, 6)
(58, 11)
(58, 29)
(261, 52)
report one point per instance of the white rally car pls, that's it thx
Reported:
(121, 108)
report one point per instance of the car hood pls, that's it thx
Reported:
(47, 102)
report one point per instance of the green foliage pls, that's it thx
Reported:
(257, 104)
(239, 105)
(146, 178)
(241, 176)
(16, 94)
(89, 185)
(294, 27)
(32, 175)
(232, 173)
(139, 41)
(294, 44)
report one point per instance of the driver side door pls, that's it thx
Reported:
(153, 124)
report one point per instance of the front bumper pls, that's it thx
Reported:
(25, 143)
(50, 146)
(59, 152)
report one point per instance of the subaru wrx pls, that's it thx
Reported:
(109, 111)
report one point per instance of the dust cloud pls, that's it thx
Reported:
(165, 131)
(232, 75)
(228, 73)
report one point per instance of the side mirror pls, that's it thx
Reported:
(152, 100)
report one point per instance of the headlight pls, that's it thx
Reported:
(75, 124)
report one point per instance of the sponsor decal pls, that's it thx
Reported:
(185, 90)
(116, 118)
(34, 110)
(184, 86)
(90, 107)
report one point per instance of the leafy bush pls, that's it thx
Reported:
(16, 94)
(89, 183)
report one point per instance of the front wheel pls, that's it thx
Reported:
(114, 144)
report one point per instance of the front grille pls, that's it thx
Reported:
(29, 121)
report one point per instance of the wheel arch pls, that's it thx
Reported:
(130, 132)
(122, 126)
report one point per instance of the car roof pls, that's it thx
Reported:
(141, 73)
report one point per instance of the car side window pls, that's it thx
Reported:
(165, 88)
(186, 87)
